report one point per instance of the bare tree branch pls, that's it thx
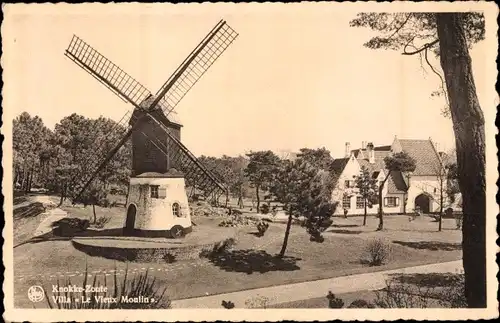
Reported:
(401, 26)
(421, 49)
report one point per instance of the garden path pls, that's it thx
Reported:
(314, 289)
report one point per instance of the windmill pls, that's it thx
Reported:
(161, 164)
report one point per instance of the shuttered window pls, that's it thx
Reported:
(391, 201)
(162, 192)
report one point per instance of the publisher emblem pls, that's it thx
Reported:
(36, 294)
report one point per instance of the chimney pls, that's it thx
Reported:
(347, 150)
(363, 145)
(370, 149)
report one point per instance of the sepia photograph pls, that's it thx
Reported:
(258, 158)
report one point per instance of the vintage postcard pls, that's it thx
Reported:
(254, 161)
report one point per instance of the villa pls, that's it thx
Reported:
(402, 193)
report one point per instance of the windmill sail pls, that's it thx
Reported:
(106, 72)
(194, 66)
(183, 160)
(169, 95)
(104, 151)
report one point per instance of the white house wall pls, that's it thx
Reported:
(428, 185)
(351, 169)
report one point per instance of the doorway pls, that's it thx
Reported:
(423, 202)
(130, 221)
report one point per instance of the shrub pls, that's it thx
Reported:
(257, 302)
(70, 226)
(361, 303)
(316, 236)
(453, 296)
(262, 228)
(378, 251)
(397, 295)
(229, 305)
(333, 301)
(101, 221)
(264, 209)
(140, 285)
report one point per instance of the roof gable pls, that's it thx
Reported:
(337, 168)
(425, 154)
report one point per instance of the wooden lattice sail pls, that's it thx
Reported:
(151, 109)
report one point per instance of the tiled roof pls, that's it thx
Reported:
(425, 155)
(396, 183)
(379, 160)
(337, 167)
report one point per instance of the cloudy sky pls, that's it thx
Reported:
(297, 75)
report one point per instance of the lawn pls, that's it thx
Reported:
(251, 263)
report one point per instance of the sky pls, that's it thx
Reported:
(297, 75)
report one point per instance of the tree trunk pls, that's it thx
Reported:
(30, 180)
(380, 203)
(62, 196)
(258, 197)
(227, 198)
(287, 233)
(405, 202)
(93, 210)
(364, 216)
(240, 201)
(126, 198)
(468, 125)
(441, 203)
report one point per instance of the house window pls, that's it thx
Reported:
(349, 184)
(346, 202)
(154, 191)
(176, 209)
(360, 202)
(392, 201)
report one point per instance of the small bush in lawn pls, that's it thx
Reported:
(142, 291)
(378, 251)
(361, 303)
(262, 228)
(229, 305)
(264, 209)
(334, 301)
(101, 221)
